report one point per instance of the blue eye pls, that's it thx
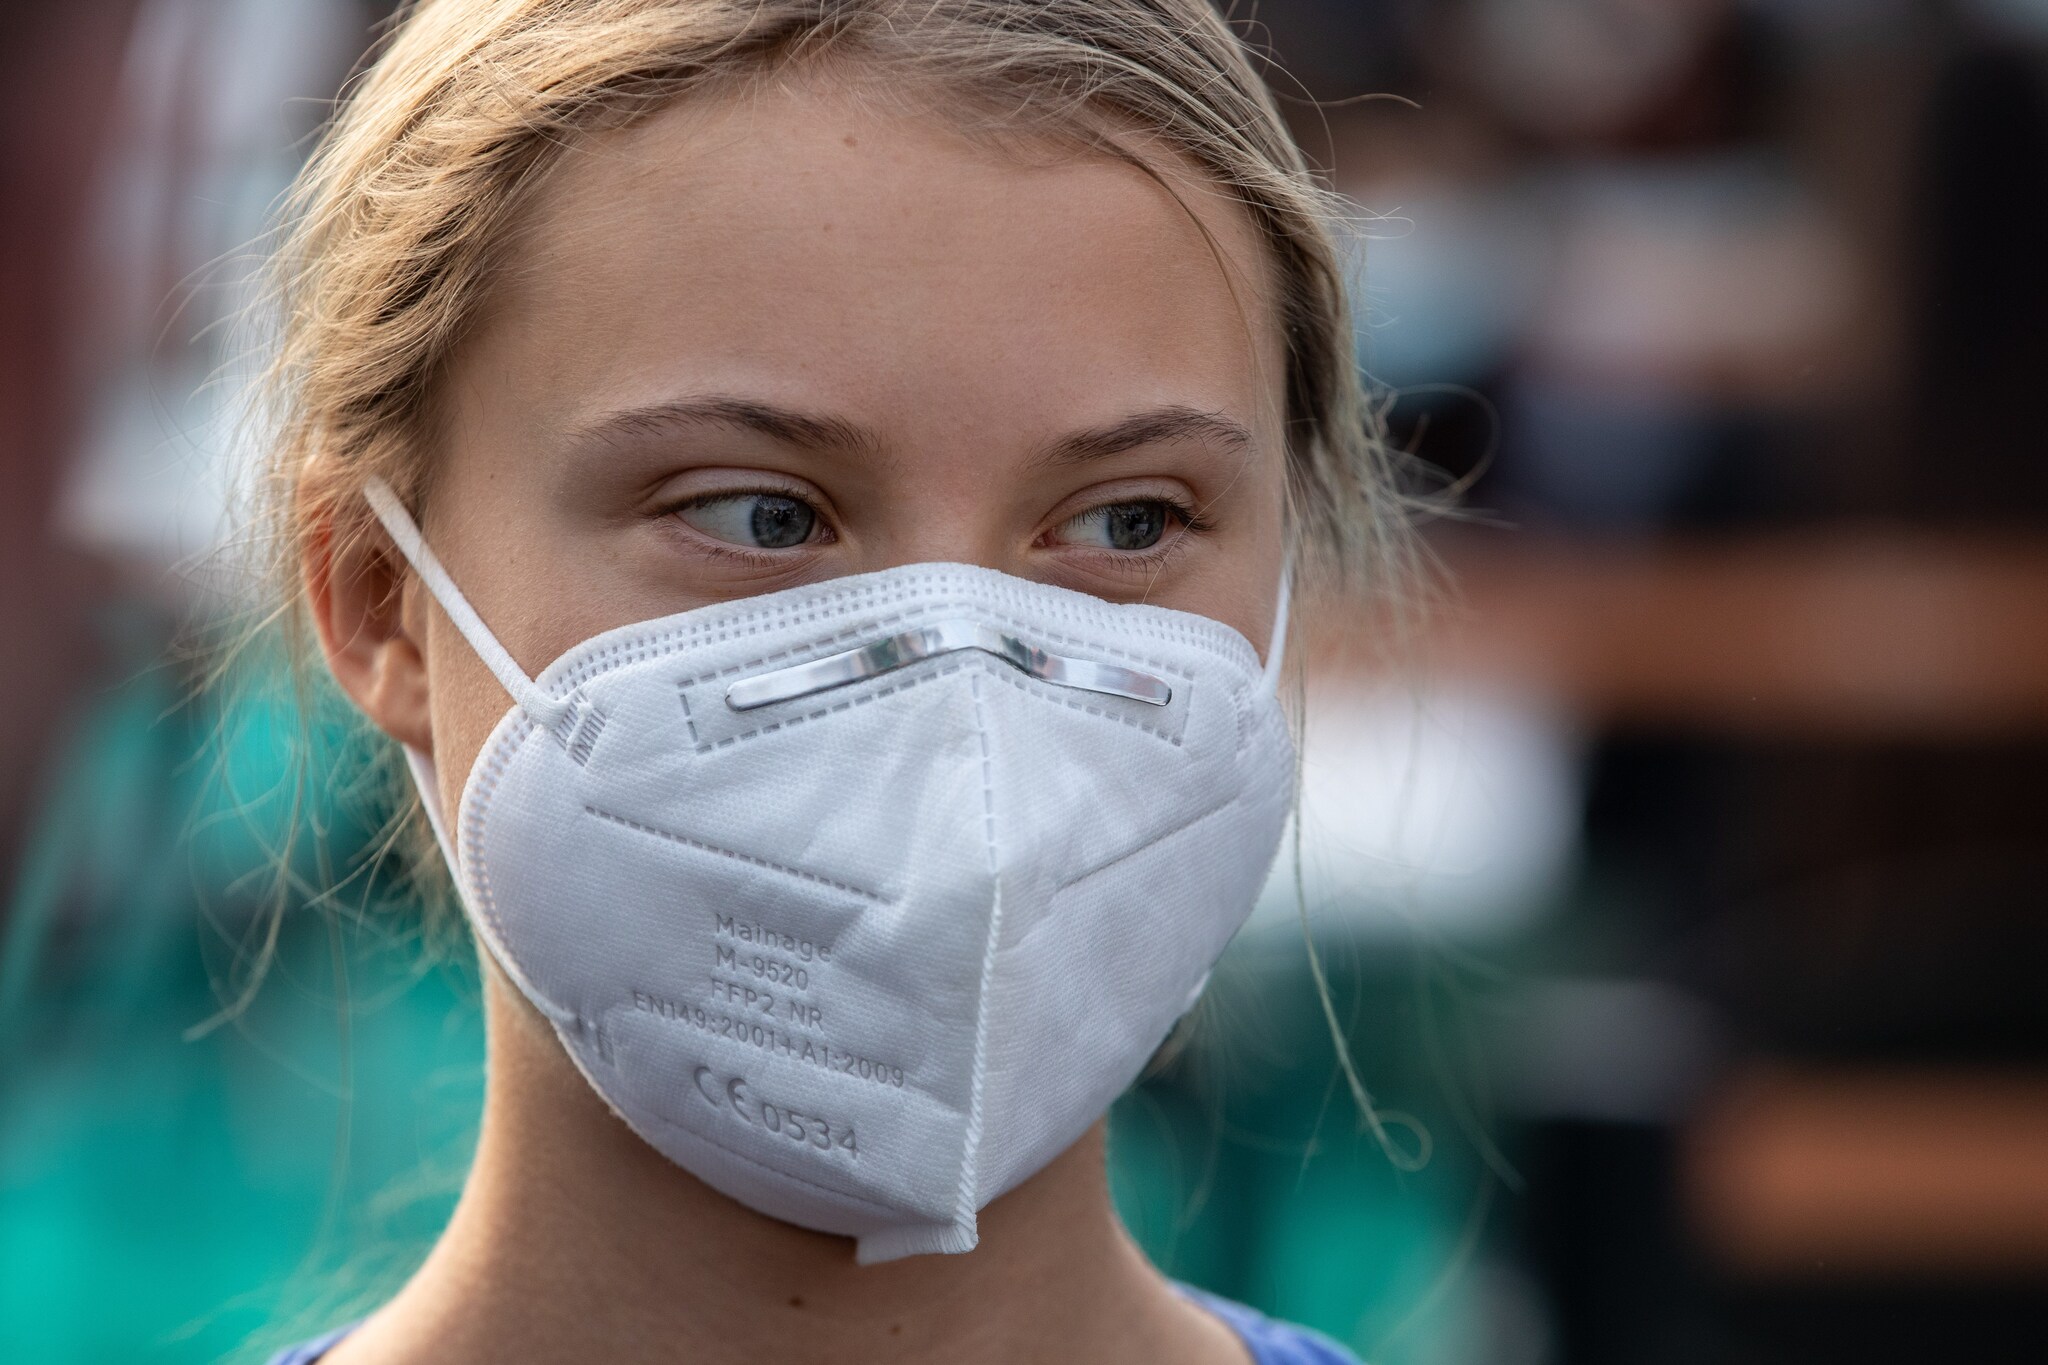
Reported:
(1121, 525)
(759, 521)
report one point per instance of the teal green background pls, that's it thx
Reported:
(178, 1186)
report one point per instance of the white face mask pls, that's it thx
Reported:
(861, 901)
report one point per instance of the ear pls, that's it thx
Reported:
(370, 625)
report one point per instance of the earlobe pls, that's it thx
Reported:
(369, 626)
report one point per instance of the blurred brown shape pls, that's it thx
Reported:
(1792, 1171)
(1844, 634)
(56, 68)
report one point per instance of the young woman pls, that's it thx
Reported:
(813, 487)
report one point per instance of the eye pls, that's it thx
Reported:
(1122, 525)
(759, 521)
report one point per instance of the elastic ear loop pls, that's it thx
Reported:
(546, 711)
(1276, 659)
(1276, 648)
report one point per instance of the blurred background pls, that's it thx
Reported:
(1682, 896)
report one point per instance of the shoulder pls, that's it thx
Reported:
(1271, 1342)
(309, 1352)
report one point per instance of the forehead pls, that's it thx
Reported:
(803, 235)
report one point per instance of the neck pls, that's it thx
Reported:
(575, 1240)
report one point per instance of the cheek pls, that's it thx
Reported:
(466, 704)
(1259, 611)
(1241, 587)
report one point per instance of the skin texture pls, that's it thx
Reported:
(988, 346)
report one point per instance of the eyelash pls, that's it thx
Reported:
(712, 547)
(1192, 523)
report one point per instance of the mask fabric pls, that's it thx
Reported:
(861, 901)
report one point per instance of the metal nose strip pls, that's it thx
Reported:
(928, 642)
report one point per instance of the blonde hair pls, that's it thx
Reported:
(409, 200)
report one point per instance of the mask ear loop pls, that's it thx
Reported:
(546, 711)
(1276, 648)
(1276, 659)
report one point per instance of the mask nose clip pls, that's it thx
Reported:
(929, 642)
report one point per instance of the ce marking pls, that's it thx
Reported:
(734, 1093)
(808, 1130)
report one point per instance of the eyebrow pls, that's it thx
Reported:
(1171, 422)
(1174, 422)
(808, 430)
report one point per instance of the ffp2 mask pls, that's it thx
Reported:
(862, 900)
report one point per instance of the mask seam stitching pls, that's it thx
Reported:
(1171, 832)
(1094, 612)
(871, 897)
(967, 1201)
(926, 612)
(473, 859)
